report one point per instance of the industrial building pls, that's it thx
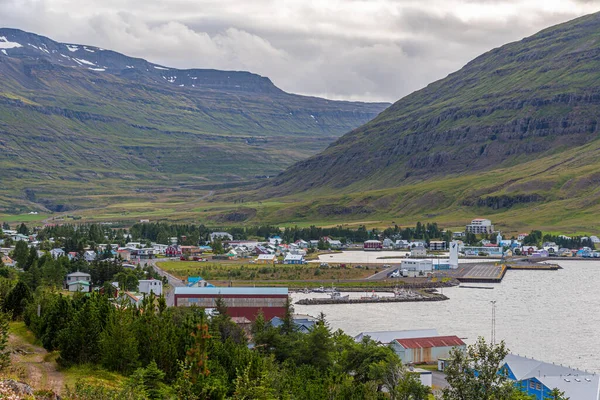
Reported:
(240, 301)
(479, 226)
(417, 265)
(371, 245)
(538, 379)
(427, 349)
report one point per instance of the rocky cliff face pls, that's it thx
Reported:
(525, 100)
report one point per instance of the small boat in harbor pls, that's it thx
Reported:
(373, 296)
(338, 296)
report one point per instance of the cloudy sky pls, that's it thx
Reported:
(342, 49)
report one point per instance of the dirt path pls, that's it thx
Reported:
(34, 365)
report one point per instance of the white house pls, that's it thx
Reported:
(147, 286)
(388, 243)
(79, 286)
(89, 256)
(275, 240)
(418, 251)
(402, 244)
(78, 282)
(55, 253)
(78, 276)
(334, 244)
(294, 259)
(220, 235)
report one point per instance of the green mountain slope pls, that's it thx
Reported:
(526, 101)
(78, 122)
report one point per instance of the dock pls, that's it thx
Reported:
(312, 302)
(483, 273)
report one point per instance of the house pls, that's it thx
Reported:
(388, 243)
(7, 261)
(458, 235)
(426, 349)
(334, 244)
(387, 337)
(124, 254)
(159, 248)
(528, 250)
(437, 245)
(197, 281)
(78, 276)
(55, 253)
(313, 243)
(173, 250)
(294, 259)
(266, 259)
(79, 286)
(595, 239)
(302, 244)
(232, 254)
(147, 286)
(479, 226)
(133, 299)
(73, 255)
(372, 245)
(224, 236)
(89, 256)
(302, 323)
(402, 244)
(540, 253)
(522, 236)
(275, 240)
(418, 251)
(538, 379)
(477, 250)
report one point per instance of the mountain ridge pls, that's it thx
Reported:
(528, 98)
(80, 124)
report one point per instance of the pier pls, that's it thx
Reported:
(312, 302)
(483, 273)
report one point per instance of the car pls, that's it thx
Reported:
(395, 274)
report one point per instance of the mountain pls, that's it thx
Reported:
(517, 125)
(81, 126)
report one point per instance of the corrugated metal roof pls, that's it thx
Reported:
(429, 342)
(386, 337)
(231, 290)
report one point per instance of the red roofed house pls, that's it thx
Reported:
(427, 349)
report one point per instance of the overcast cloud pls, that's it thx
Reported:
(341, 49)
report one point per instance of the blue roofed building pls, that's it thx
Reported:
(303, 323)
(538, 379)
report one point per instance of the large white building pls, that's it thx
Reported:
(147, 286)
(480, 225)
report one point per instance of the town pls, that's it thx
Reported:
(132, 268)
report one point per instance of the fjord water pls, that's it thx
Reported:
(552, 316)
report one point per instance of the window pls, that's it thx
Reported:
(531, 385)
(538, 386)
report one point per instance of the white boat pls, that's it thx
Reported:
(335, 295)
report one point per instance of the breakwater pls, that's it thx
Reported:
(387, 299)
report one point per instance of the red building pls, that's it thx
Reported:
(173, 251)
(373, 245)
(240, 301)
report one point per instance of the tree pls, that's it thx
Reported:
(22, 229)
(4, 353)
(217, 246)
(21, 253)
(17, 300)
(119, 345)
(474, 374)
(556, 394)
(400, 383)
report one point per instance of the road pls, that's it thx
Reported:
(439, 380)
(173, 281)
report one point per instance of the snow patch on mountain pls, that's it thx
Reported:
(72, 47)
(86, 62)
(161, 68)
(5, 44)
(4, 52)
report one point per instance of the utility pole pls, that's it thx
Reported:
(493, 322)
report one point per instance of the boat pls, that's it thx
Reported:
(373, 296)
(338, 296)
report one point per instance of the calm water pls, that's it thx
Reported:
(553, 316)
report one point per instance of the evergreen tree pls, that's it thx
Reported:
(119, 345)
(17, 300)
(4, 331)
(23, 230)
(21, 253)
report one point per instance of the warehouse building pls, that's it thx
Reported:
(427, 349)
(240, 301)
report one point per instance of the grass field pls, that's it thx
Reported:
(240, 271)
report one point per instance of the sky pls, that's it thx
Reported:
(368, 50)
